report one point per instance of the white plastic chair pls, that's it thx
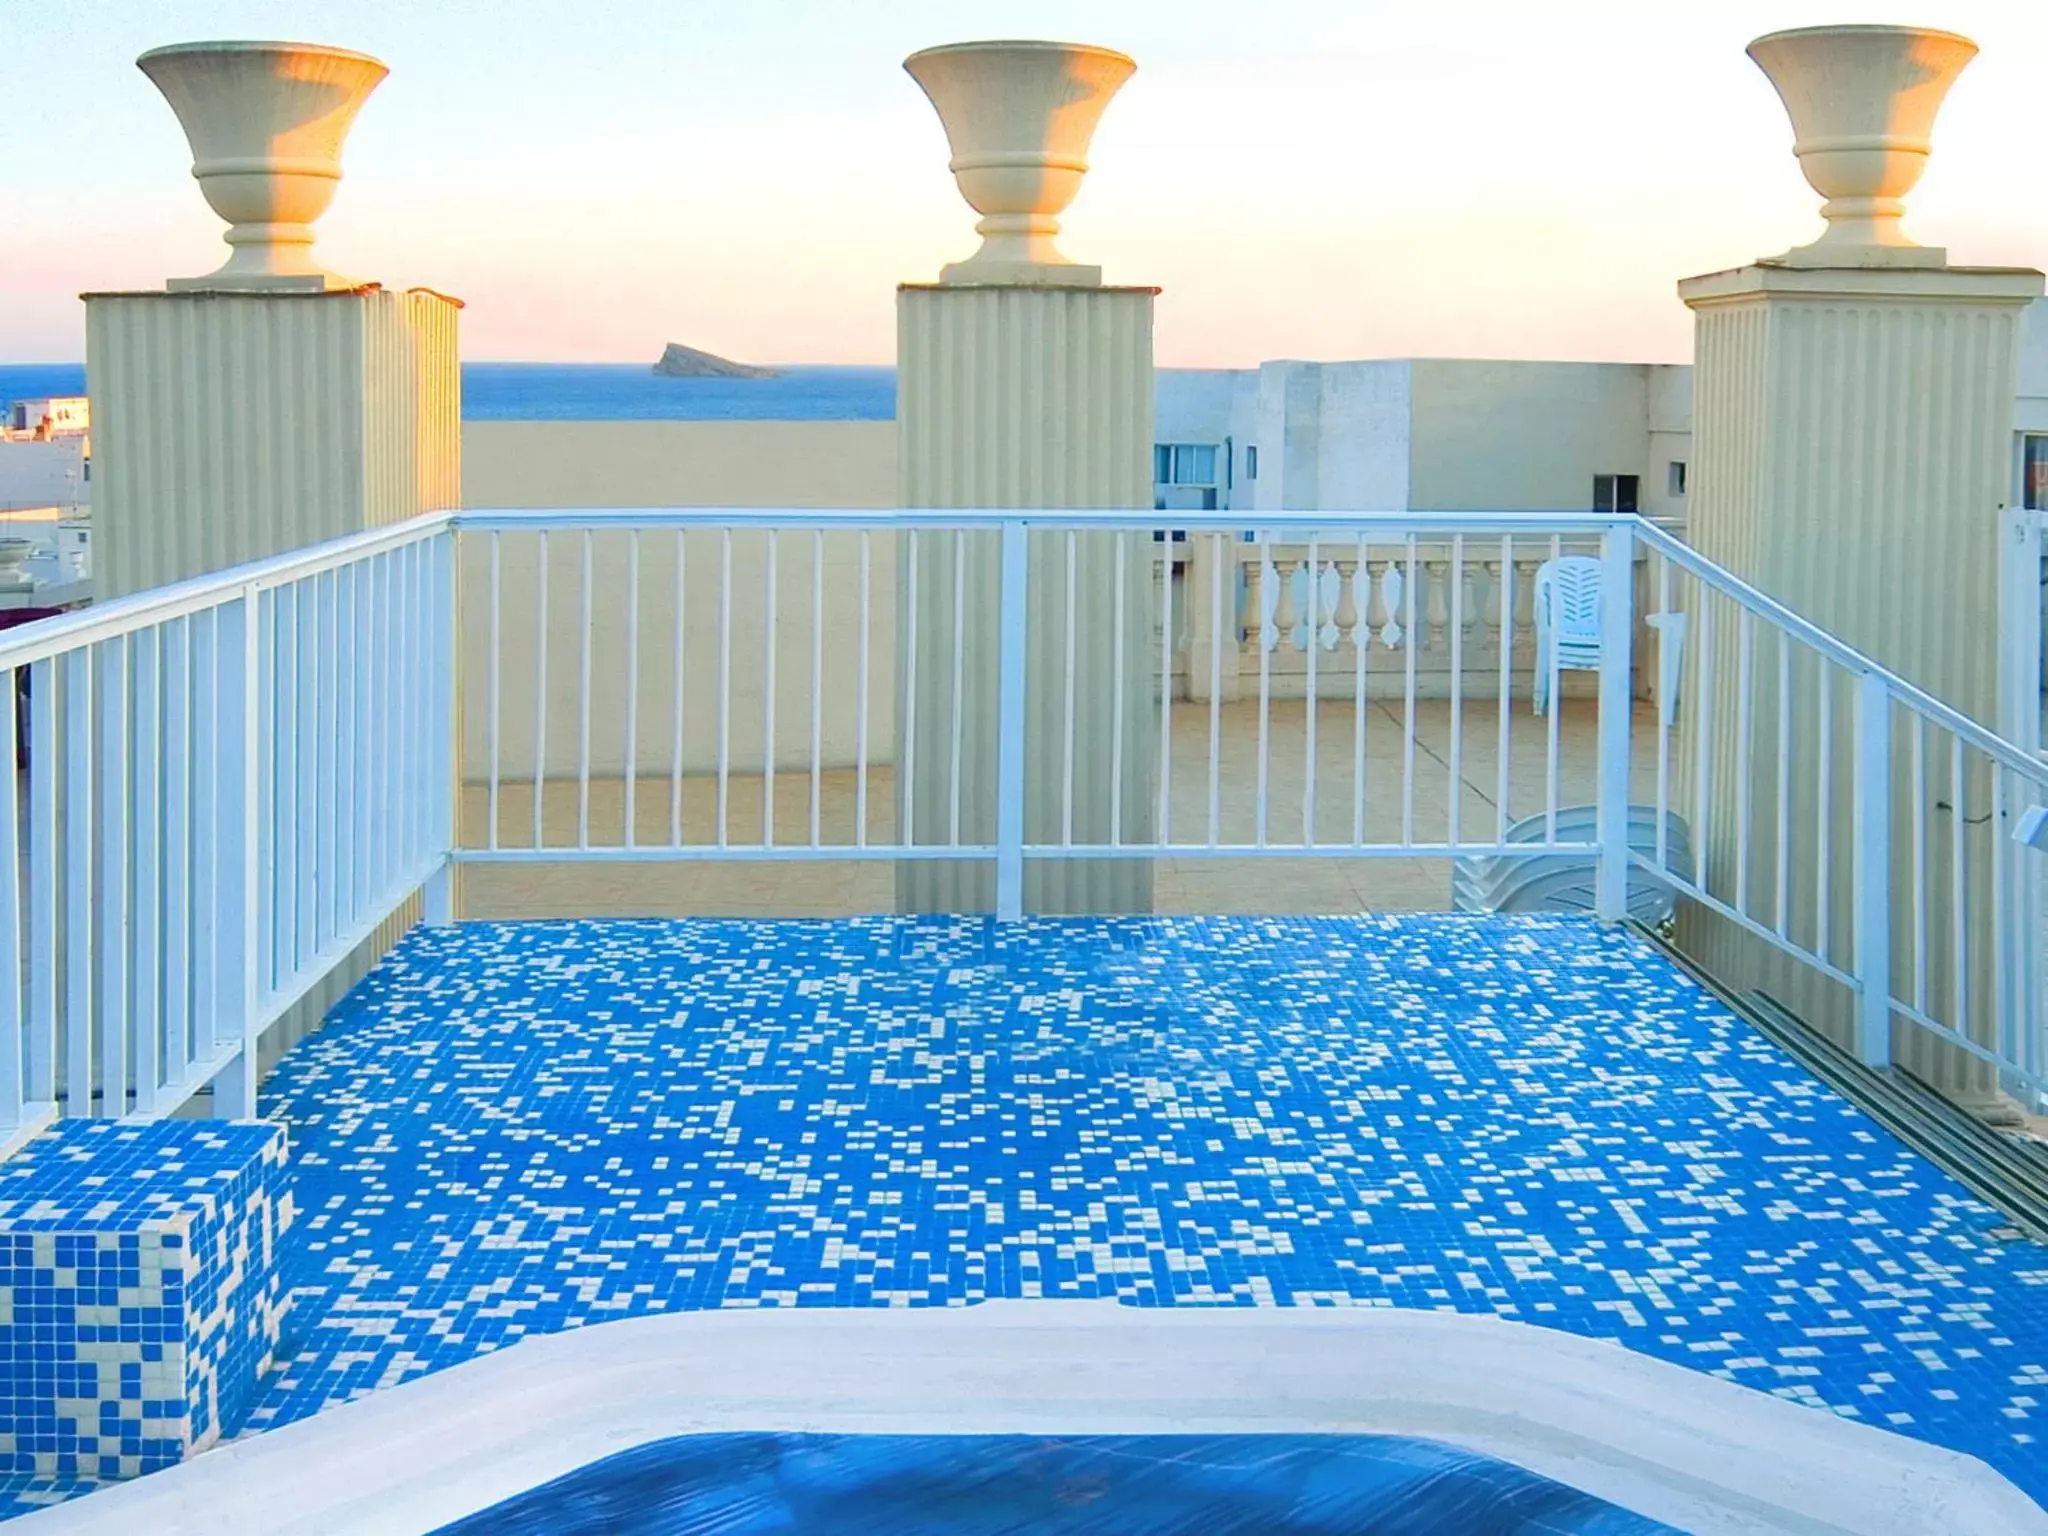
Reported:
(1567, 620)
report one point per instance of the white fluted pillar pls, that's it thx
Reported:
(1024, 382)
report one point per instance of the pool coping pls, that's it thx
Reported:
(1674, 1444)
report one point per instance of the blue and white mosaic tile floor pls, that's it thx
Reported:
(513, 1129)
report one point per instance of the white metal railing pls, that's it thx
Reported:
(234, 781)
(1856, 824)
(732, 664)
(230, 783)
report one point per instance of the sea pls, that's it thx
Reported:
(598, 392)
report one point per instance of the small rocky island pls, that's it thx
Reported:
(680, 362)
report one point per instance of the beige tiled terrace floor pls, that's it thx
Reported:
(1182, 883)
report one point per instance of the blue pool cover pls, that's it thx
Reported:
(1103, 1485)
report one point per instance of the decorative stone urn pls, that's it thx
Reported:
(266, 122)
(1862, 101)
(1018, 117)
(14, 553)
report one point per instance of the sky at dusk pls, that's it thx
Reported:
(1302, 178)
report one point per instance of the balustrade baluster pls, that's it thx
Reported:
(1284, 615)
(1250, 623)
(1346, 617)
(1525, 604)
(1379, 611)
(1436, 606)
(1491, 609)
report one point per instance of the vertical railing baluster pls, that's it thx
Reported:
(286, 698)
(145, 956)
(1916, 741)
(1873, 869)
(1784, 786)
(1504, 704)
(240, 698)
(1703, 758)
(1220, 555)
(348, 802)
(1617, 634)
(395, 691)
(1013, 617)
(1313, 634)
(860, 704)
(1410, 645)
(1165, 836)
(177, 848)
(1119, 617)
(76, 925)
(1067, 694)
(1667, 678)
(305, 682)
(1269, 581)
(111, 935)
(329, 921)
(494, 688)
(768, 613)
(675, 759)
(957, 708)
(44, 758)
(1745, 753)
(629, 831)
(1823, 884)
(1454, 826)
(540, 690)
(817, 681)
(440, 649)
(724, 678)
(13, 1041)
(1959, 896)
(1361, 647)
(585, 621)
(1553, 682)
(210, 747)
(2000, 930)
(910, 602)
(369, 700)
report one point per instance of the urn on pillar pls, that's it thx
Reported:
(1018, 118)
(1023, 381)
(1862, 101)
(266, 123)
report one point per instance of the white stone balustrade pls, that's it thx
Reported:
(1461, 604)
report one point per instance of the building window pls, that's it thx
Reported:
(2034, 473)
(1184, 463)
(1678, 477)
(1184, 476)
(1614, 493)
(1251, 461)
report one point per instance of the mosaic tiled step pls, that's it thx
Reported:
(140, 1295)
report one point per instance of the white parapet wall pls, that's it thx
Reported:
(797, 464)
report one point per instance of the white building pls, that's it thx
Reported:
(51, 415)
(46, 454)
(1446, 434)
(45, 472)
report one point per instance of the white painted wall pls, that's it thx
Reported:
(47, 473)
(676, 464)
(1511, 436)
